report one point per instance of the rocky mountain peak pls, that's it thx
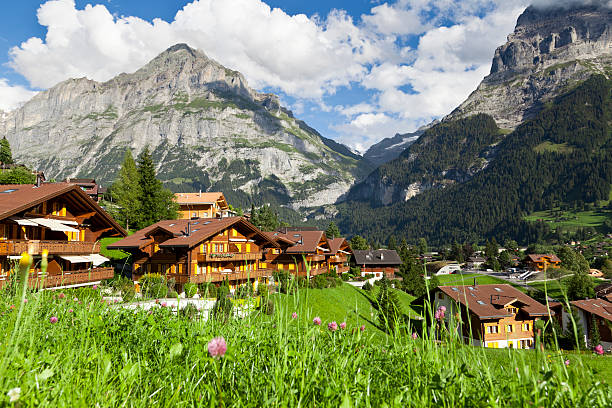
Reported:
(551, 49)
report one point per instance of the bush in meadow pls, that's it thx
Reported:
(207, 290)
(319, 282)
(190, 289)
(173, 294)
(157, 290)
(367, 286)
(190, 311)
(128, 293)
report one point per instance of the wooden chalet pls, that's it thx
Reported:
(494, 316)
(378, 262)
(302, 252)
(589, 312)
(542, 261)
(202, 205)
(93, 189)
(200, 250)
(339, 255)
(58, 217)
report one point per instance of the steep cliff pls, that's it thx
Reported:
(207, 130)
(551, 50)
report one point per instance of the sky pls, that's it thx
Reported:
(356, 70)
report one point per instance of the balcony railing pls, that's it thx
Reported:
(40, 281)
(221, 276)
(229, 256)
(35, 247)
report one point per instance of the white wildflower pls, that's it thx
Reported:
(14, 394)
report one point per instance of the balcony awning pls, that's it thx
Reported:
(24, 222)
(96, 259)
(76, 258)
(53, 225)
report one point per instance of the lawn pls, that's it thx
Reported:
(67, 348)
(468, 279)
(112, 253)
(344, 303)
(570, 220)
(557, 288)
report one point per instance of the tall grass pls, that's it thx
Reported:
(99, 355)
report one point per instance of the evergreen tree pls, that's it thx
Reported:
(389, 310)
(392, 243)
(265, 218)
(332, 231)
(422, 246)
(572, 260)
(457, 252)
(594, 338)
(126, 192)
(157, 203)
(6, 157)
(359, 243)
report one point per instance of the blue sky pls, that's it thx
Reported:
(357, 71)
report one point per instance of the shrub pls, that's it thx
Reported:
(189, 311)
(262, 290)
(319, 282)
(173, 294)
(331, 282)
(150, 284)
(158, 290)
(208, 290)
(171, 284)
(222, 310)
(345, 277)
(268, 307)
(367, 286)
(190, 289)
(128, 292)
(244, 291)
(151, 279)
(302, 282)
(284, 280)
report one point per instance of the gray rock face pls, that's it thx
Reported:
(391, 147)
(549, 51)
(206, 128)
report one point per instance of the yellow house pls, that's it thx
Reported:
(202, 205)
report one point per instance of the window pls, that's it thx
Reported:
(10, 190)
(440, 295)
(492, 329)
(480, 302)
(509, 328)
(526, 327)
(493, 344)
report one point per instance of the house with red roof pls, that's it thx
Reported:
(543, 261)
(201, 250)
(494, 316)
(302, 252)
(62, 219)
(339, 255)
(591, 312)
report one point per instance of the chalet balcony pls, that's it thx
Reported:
(315, 258)
(221, 276)
(338, 258)
(35, 247)
(229, 256)
(36, 280)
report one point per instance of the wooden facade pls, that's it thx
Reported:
(379, 263)
(202, 205)
(60, 218)
(339, 257)
(301, 252)
(201, 250)
(541, 262)
(494, 316)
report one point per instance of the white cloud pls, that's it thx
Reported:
(12, 96)
(305, 58)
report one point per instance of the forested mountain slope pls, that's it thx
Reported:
(563, 155)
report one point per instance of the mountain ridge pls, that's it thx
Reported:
(206, 127)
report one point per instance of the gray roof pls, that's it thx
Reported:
(377, 257)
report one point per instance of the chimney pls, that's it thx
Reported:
(38, 179)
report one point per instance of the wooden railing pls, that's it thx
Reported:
(37, 280)
(229, 256)
(35, 247)
(315, 258)
(221, 276)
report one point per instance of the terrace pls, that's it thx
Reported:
(35, 247)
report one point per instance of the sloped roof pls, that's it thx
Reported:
(599, 307)
(201, 229)
(201, 198)
(335, 244)
(603, 289)
(305, 241)
(538, 257)
(377, 257)
(16, 198)
(487, 301)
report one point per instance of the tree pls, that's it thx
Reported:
(491, 250)
(332, 231)
(388, 308)
(392, 243)
(594, 338)
(572, 260)
(157, 203)
(505, 260)
(126, 192)
(580, 286)
(457, 252)
(422, 246)
(18, 175)
(265, 218)
(6, 157)
(359, 243)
